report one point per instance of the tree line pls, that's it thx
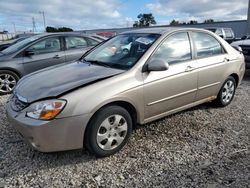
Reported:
(146, 20)
(50, 29)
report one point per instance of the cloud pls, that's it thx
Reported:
(200, 10)
(78, 14)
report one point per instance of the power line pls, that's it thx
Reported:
(14, 27)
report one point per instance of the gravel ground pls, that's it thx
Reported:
(201, 147)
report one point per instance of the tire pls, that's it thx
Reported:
(226, 93)
(8, 81)
(108, 131)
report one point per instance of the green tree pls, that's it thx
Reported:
(50, 29)
(145, 20)
(192, 22)
(64, 29)
(209, 21)
(174, 22)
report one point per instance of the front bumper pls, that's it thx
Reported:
(49, 136)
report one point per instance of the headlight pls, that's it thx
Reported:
(45, 110)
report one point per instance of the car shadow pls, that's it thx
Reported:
(247, 75)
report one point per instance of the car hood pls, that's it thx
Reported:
(4, 57)
(61, 79)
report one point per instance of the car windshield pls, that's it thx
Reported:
(122, 51)
(19, 45)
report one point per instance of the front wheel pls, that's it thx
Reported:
(227, 92)
(108, 131)
(8, 81)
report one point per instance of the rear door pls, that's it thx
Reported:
(45, 53)
(212, 61)
(75, 47)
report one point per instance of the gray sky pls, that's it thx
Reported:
(90, 14)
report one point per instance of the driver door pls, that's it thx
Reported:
(44, 53)
(175, 87)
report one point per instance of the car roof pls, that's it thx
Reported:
(59, 34)
(162, 30)
(218, 28)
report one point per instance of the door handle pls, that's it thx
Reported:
(56, 57)
(189, 68)
(226, 59)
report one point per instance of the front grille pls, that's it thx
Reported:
(16, 104)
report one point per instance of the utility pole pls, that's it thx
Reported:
(33, 24)
(248, 19)
(44, 24)
(14, 25)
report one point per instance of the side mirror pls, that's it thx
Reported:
(29, 53)
(156, 65)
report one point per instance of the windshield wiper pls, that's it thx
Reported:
(98, 63)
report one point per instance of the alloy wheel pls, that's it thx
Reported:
(7, 83)
(228, 91)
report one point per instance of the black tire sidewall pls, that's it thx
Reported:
(12, 74)
(94, 124)
(220, 100)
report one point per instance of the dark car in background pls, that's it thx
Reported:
(245, 48)
(6, 44)
(38, 52)
(226, 33)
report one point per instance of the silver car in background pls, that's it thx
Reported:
(97, 101)
(38, 52)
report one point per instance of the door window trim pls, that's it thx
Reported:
(195, 49)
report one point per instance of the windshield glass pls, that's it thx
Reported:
(19, 45)
(122, 51)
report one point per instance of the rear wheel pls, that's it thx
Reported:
(227, 92)
(108, 131)
(8, 81)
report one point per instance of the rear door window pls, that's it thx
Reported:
(92, 42)
(206, 45)
(75, 42)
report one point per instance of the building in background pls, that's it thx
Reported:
(248, 19)
(239, 27)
